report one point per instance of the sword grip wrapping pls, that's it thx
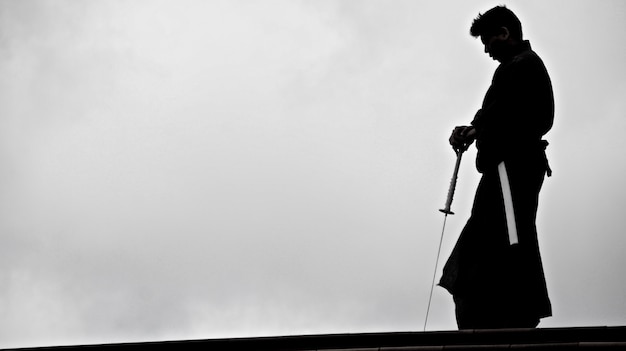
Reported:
(452, 187)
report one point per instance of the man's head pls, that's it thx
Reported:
(499, 29)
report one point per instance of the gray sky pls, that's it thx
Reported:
(205, 169)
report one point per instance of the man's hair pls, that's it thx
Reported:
(491, 22)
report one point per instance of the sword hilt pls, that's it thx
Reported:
(455, 175)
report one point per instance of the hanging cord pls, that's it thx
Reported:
(447, 211)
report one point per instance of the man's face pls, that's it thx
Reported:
(496, 46)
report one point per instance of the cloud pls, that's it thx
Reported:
(210, 169)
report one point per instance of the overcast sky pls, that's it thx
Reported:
(206, 169)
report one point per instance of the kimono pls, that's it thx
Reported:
(496, 283)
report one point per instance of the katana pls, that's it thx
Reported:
(446, 210)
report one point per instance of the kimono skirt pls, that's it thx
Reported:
(495, 284)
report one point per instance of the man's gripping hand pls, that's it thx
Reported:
(462, 137)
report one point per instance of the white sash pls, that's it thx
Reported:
(508, 204)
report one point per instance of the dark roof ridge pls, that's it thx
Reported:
(540, 338)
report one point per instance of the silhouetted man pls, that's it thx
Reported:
(494, 273)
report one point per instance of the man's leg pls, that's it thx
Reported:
(484, 312)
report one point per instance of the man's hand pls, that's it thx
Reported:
(462, 137)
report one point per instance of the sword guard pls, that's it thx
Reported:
(446, 211)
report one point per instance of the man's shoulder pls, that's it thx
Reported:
(525, 62)
(527, 57)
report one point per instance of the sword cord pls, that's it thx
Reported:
(432, 285)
